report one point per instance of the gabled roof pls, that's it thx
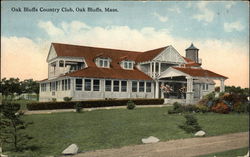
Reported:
(90, 53)
(149, 55)
(109, 73)
(195, 72)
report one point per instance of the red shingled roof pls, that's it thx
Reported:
(199, 72)
(95, 72)
(90, 53)
(191, 63)
(149, 55)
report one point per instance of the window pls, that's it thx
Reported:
(116, 86)
(78, 84)
(96, 85)
(204, 86)
(87, 86)
(66, 84)
(57, 85)
(124, 86)
(62, 84)
(61, 64)
(127, 65)
(103, 62)
(141, 87)
(43, 87)
(52, 86)
(148, 87)
(107, 85)
(134, 86)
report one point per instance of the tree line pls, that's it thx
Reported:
(13, 86)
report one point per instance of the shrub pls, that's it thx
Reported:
(202, 108)
(221, 108)
(91, 103)
(67, 99)
(78, 107)
(178, 108)
(190, 108)
(241, 107)
(191, 125)
(130, 105)
(53, 99)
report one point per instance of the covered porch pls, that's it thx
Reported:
(186, 85)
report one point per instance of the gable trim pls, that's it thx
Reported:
(171, 48)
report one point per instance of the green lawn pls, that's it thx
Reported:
(230, 153)
(100, 129)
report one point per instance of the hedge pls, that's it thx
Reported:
(91, 103)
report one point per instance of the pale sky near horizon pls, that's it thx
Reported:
(220, 29)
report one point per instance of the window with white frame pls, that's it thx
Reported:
(103, 62)
(43, 87)
(148, 87)
(205, 87)
(124, 86)
(141, 86)
(96, 85)
(134, 86)
(78, 84)
(116, 86)
(66, 85)
(61, 63)
(108, 85)
(87, 85)
(52, 86)
(128, 64)
(57, 85)
(62, 84)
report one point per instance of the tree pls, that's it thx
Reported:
(30, 86)
(10, 86)
(12, 126)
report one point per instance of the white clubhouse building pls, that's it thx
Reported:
(85, 73)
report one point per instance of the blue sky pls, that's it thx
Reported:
(179, 17)
(220, 29)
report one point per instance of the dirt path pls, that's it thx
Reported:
(177, 148)
(88, 109)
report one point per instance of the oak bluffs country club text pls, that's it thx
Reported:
(63, 9)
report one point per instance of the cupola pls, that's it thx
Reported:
(192, 53)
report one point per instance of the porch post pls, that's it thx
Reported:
(154, 70)
(159, 68)
(150, 69)
(222, 86)
(189, 94)
(156, 89)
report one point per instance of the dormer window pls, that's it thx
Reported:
(128, 64)
(103, 62)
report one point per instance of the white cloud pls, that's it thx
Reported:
(205, 14)
(229, 27)
(28, 58)
(175, 10)
(161, 18)
(229, 5)
(50, 28)
(23, 58)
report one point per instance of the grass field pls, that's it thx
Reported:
(230, 153)
(100, 129)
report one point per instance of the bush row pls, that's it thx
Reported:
(91, 103)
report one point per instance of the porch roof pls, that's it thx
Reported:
(193, 72)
